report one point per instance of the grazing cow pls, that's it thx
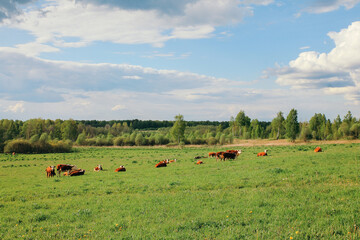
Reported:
(65, 167)
(218, 154)
(318, 149)
(50, 171)
(228, 155)
(212, 154)
(264, 153)
(161, 164)
(98, 168)
(199, 162)
(120, 169)
(237, 152)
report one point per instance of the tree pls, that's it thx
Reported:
(317, 126)
(243, 122)
(292, 125)
(178, 130)
(278, 126)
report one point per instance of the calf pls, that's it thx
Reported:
(120, 169)
(50, 171)
(199, 162)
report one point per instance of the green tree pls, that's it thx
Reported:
(178, 130)
(292, 125)
(69, 130)
(243, 122)
(317, 126)
(278, 126)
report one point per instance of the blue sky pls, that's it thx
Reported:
(154, 59)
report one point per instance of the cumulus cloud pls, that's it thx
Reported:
(65, 23)
(323, 6)
(18, 107)
(336, 72)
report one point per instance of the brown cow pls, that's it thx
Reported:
(50, 171)
(318, 149)
(76, 172)
(161, 164)
(261, 154)
(65, 167)
(98, 168)
(212, 154)
(237, 152)
(228, 155)
(120, 169)
(199, 162)
(218, 154)
(171, 161)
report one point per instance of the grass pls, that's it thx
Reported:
(292, 193)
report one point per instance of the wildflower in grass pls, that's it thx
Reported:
(90, 230)
(41, 228)
(16, 225)
(291, 238)
(250, 212)
(116, 224)
(227, 216)
(297, 232)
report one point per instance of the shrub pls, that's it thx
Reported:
(24, 146)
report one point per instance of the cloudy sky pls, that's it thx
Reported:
(154, 59)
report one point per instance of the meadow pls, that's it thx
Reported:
(293, 193)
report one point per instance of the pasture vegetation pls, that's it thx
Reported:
(293, 193)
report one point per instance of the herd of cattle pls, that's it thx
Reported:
(72, 170)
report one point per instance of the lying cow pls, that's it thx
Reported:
(120, 169)
(98, 168)
(261, 154)
(318, 149)
(77, 172)
(50, 171)
(199, 162)
(161, 164)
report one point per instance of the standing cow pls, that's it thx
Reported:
(50, 171)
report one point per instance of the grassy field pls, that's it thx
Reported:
(293, 193)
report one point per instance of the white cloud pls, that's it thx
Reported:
(66, 23)
(323, 6)
(18, 107)
(118, 107)
(336, 72)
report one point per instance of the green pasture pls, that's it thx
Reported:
(293, 193)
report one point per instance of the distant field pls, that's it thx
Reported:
(293, 193)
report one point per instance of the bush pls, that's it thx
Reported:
(24, 146)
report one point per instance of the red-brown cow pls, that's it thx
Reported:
(261, 154)
(237, 152)
(50, 171)
(120, 169)
(212, 154)
(218, 154)
(64, 167)
(98, 168)
(199, 162)
(161, 164)
(77, 172)
(318, 149)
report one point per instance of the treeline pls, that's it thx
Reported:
(41, 132)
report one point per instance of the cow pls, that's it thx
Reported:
(264, 153)
(77, 172)
(198, 157)
(161, 164)
(237, 152)
(120, 169)
(65, 167)
(50, 171)
(98, 168)
(318, 149)
(13, 153)
(199, 162)
(212, 154)
(228, 155)
(218, 154)
(171, 161)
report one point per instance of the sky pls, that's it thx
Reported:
(155, 59)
